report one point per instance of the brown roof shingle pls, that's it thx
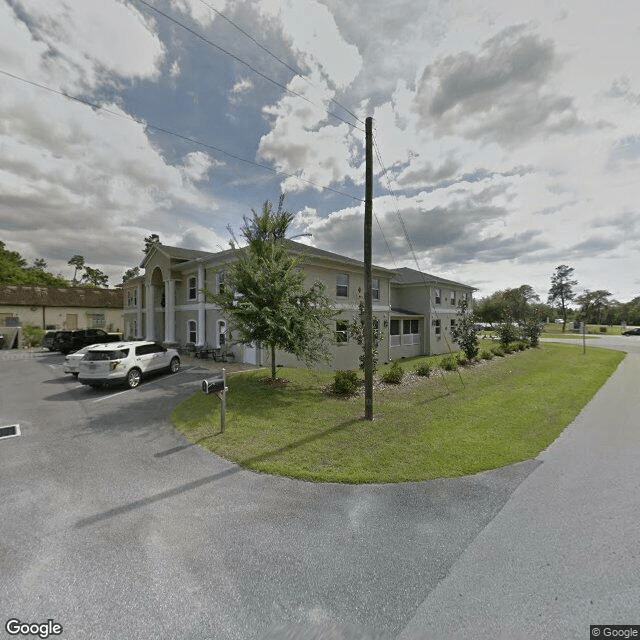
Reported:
(38, 296)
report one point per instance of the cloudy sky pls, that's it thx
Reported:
(507, 132)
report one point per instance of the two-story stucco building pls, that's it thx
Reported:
(414, 310)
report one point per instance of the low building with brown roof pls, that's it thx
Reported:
(61, 307)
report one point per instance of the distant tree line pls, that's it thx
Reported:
(592, 307)
(14, 269)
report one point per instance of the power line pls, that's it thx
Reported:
(294, 70)
(243, 62)
(159, 129)
(411, 248)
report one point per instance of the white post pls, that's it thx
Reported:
(169, 311)
(150, 306)
(138, 311)
(201, 310)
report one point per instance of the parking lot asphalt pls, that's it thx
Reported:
(114, 526)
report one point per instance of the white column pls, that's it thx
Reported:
(201, 312)
(138, 311)
(169, 311)
(150, 307)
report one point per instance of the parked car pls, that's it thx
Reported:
(74, 340)
(52, 339)
(125, 362)
(72, 360)
(631, 332)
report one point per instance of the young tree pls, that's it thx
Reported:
(77, 262)
(356, 330)
(561, 291)
(264, 296)
(464, 331)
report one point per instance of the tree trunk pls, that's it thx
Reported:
(273, 362)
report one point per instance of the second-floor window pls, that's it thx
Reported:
(220, 282)
(438, 296)
(452, 297)
(375, 288)
(193, 287)
(342, 285)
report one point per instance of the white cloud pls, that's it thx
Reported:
(316, 39)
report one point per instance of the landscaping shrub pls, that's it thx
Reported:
(521, 345)
(486, 354)
(345, 382)
(449, 362)
(498, 351)
(531, 329)
(462, 361)
(507, 333)
(32, 336)
(394, 375)
(424, 370)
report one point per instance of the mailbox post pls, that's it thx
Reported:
(218, 385)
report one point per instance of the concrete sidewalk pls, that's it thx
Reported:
(564, 552)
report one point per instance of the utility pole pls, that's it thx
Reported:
(368, 310)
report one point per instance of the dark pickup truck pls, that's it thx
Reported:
(70, 341)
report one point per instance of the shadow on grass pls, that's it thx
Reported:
(189, 486)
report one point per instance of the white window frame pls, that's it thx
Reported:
(340, 284)
(220, 281)
(437, 326)
(452, 297)
(437, 295)
(375, 288)
(410, 337)
(193, 279)
(193, 331)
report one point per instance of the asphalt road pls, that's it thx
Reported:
(112, 525)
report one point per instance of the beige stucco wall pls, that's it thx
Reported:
(57, 317)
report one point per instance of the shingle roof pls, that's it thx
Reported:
(297, 247)
(38, 296)
(404, 275)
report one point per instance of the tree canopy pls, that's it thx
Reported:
(14, 270)
(265, 298)
(561, 291)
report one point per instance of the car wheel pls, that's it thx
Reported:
(174, 366)
(133, 378)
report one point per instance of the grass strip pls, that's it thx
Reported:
(486, 416)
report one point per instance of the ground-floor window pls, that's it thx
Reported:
(394, 333)
(342, 331)
(437, 327)
(96, 320)
(192, 331)
(411, 333)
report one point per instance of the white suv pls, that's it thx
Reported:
(125, 362)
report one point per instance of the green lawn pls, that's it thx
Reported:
(502, 411)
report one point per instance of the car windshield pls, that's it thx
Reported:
(116, 354)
